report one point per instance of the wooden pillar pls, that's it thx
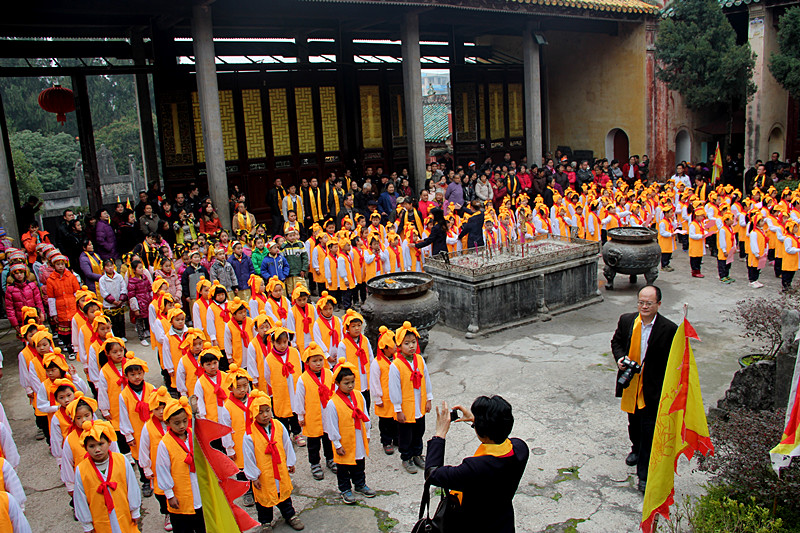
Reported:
(83, 115)
(208, 94)
(9, 197)
(533, 98)
(412, 91)
(147, 137)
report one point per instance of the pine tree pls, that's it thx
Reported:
(785, 64)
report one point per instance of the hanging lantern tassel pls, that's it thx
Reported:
(59, 100)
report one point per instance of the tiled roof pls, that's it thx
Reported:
(435, 123)
(732, 3)
(669, 10)
(617, 6)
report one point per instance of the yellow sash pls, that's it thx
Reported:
(632, 396)
(495, 450)
(244, 221)
(94, 260)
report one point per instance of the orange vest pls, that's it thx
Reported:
(239, 427)
(96, 500)
(313, 402)
(407, 387)
(78, 451)
(667, 243)
(375, 267)
(347, 429)
(165, 325)
(281, 395)
(327, 332)
(350, 273)
(594, 221)
(268, 495)
(301, 322)
(181, 474)
(752, 260)
(696, 245)
(241, 335)
(5, 518)
(396, 260)
(261, 353)
(321, 255)
(276, 309)
(131, 400)
(219, 324)
(210, 396)
(192, 365)
(87, 336)
(725, 233)
(790, 261)
(175, 353)
(38, 367)
(260, 300)
(333, 268)
(387, 409)
(358, 265)
(64, 424)
(114, 390)
(155, 434)
(351, 354)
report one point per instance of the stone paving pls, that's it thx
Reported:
(558, 375)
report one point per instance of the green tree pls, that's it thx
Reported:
(785, 64)
(52, 157)
(698, 57)
(28, 183)
(122, 138)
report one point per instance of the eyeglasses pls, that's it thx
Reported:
(646, 304)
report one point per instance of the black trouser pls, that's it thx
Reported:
(162, 503)
(665, 259)
(123, 445)
(603, 235)
(388, 430)
(752, 273)
(314, 444)
(723, 268)
(786, 278)
(366, 396)
(711, 242)
(142, 476)
(347, 473)
(360, 293)
(93, 389)
(188, 523)
(118, 324)
(771, 254)
(641, 425)
(695, 263)
(224, 364)
(347, 298)
(742, 251)
(683, 238)
(41, 423)
(66, 340)
(409, 438)
(291, 423)
(778, 268)
(265, 513)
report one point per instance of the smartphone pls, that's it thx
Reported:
(454, 415)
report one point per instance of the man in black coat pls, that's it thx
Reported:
(489, 479)
(473, 227)
(656, 340)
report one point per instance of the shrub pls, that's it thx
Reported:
(715, 512)
(741, 465)
(760, 321)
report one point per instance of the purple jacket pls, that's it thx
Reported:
(18, 295)
(87, 274)
(106, 241)
(142, 290)
(454, 194)
(243, 270)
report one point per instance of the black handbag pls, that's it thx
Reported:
(443, 517)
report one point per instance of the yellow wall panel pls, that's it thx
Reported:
(516, 116)
(198, 129)
(497, 121)
(371, 130)
(330, 119)
(228, 125)
(253, 123)
(304, 108)
(279, 113)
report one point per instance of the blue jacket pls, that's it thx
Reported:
(243, 269)
(274, 266)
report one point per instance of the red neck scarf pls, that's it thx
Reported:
(416, 375)
(203, 303)
(306, 317)
(397, 256)
(282, 313)
(225, 315)
(324, 392)
(142, 407)
(272, 447)
(159, 425)
(221, 394)
(242, 332)
(382, 356)
(349, 261)
(106, 487)
(68, 419)
(260, 296)
(189, 451)
(358, 414)
(333, 332)
(122, 381)
(360, 352)
(491, 239)
(264, 349)
(198, 368)
(287, 368)
(248, 419)
(95, 338)
(378, 262)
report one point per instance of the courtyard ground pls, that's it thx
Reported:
(559, 377)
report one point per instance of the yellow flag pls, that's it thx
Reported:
(128, 205)
(716, 173)
(681, 427)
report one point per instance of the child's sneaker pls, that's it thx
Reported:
(39, 434)
(317, 473)
(409, 466)
(419, 461)
(248, 500)
(300, 440)
(265, 528)
(147, 490)
(167, 523)
(388, 449)
(348, 498)
(145, 343)
(331, 464)
(295, 523)
(366, 491)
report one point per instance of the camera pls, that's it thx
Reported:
(455, 414)
(631, 368)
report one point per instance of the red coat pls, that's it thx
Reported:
(62, 289)
(626, 167)
(18, 295)
(30, 240)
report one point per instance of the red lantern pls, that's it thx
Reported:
(59, 100)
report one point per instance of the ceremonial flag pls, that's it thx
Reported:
(128, 204)
(716, 173)
(790, 442)
(681, 427)
(214, 478)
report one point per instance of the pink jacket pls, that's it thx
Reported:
(142, 290)
(18, 295)
(173, 283)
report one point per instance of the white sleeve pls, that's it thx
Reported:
(395, 389)
(330, 423)
(94, 365)
(693, 233)
(4, 418)
(125, 426)
(251, 469)
(315, 260)
(196, 320)
(82, 512)
(51, 306)
(428, 386)
(163, 472)
(328, 271)
(43, 400)
(144, 452)
(134, 491)
(340, 268)
(376, 391)
(201, 400)
(319, 341)
(19, 524)
(152, 315)
(291, 458)
(158, 332)
(790, 249)
(754, 244)
(103, 402)
(81, 347)
(56, 438)
(24, 378)
(74, 334)
(252, 365)
(180, 379)
(253, 308)
(166, 356)
(13, 484)
(227, 439)
(228, 342)
(211, 326)
(662, 230)
(67, 467)
(81, 385)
